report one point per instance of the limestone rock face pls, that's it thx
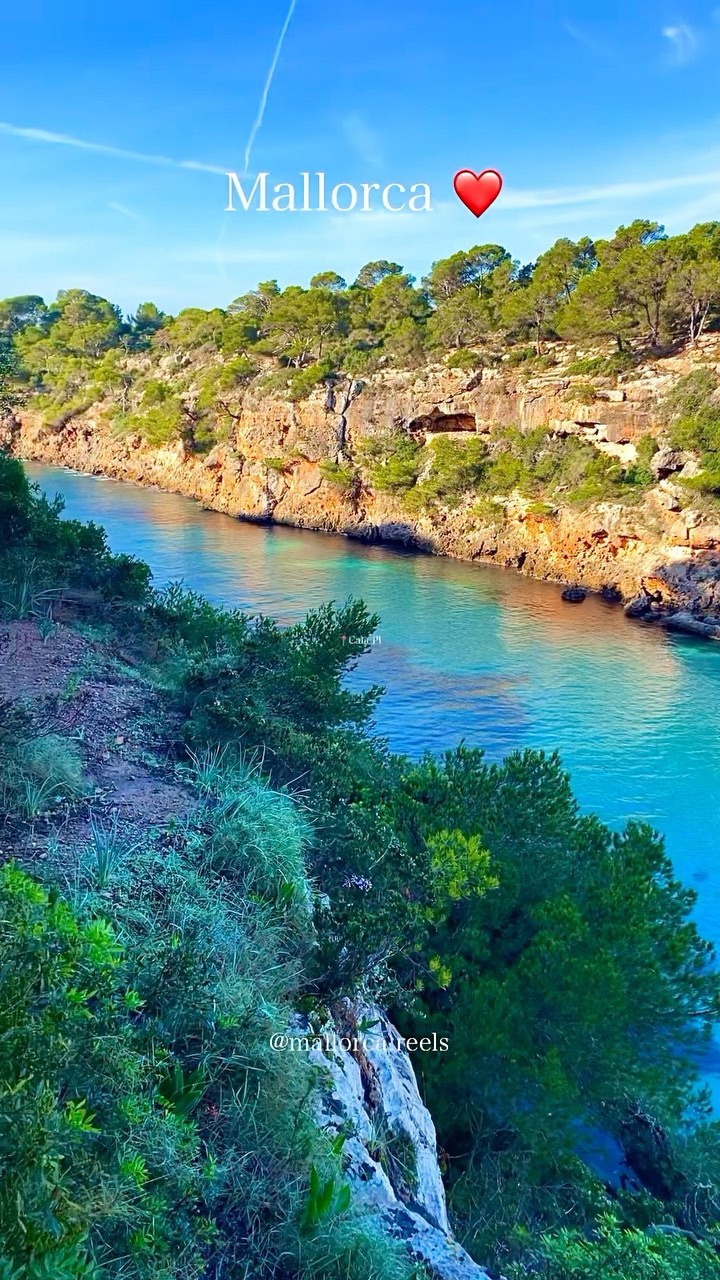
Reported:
(367, 1090)
(667, 461)
(694, 587)
(597, 546)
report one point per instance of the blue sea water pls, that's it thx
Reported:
(471, 652)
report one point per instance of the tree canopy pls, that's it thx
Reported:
(640, 287)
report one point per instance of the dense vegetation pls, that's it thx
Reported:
(185, 377)
(145, 1129)
(639, 286)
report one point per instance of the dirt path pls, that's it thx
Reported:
(70, 686)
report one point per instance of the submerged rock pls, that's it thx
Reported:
(685, 621)
(574, 595)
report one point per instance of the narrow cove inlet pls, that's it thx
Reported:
(473, 653)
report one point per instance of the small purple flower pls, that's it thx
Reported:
(358, 882)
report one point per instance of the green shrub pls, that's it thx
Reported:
(464, 358)
(156, 392)
(44, 552)
(580, 393)
(614, 1252)
(82, 1142)
(519, 355)
(540, 509)
(512, 979)
(529, 360)
(636, 476)
(708, 480)
(620, 362)
(575, 471)
(484, 508)
(342, 475)
(586, 365)
(647, 447)
(640, 472)
(601, 476)
(274, 383)
(148, 1128)
(15, 502)
(505, 472)
(258, 840)
(38, 771)
(456, 468)
(533, 462)
(180, 621)
(348, 1249)
(699, 431)
(304, 381)
(228, 376)
(690, 394)
(693, 413)
(161, 418)
(162, 423)
(295, 384)
(616, 362)
(54, 758)
(393, 461)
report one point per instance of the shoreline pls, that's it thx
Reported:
(641, 608)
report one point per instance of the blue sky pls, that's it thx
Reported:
(593, 114)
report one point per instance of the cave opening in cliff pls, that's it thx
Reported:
(436, 420)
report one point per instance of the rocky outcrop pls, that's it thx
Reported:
(684, 597)
(367, 1093)
(275, 467)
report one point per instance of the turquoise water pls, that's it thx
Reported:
(471, 652)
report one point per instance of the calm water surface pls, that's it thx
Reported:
(471, 652)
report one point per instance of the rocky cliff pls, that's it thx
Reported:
(367, 1095)
(661, 552)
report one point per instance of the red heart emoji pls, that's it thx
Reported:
(477, 190)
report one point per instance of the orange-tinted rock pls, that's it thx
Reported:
(591, 546)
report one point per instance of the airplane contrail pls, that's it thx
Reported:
(513, 197)
(66, 140)
(266, 89)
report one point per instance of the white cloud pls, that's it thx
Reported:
(586, 38)
(684, 40)
(123, 210)
(538, 199)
